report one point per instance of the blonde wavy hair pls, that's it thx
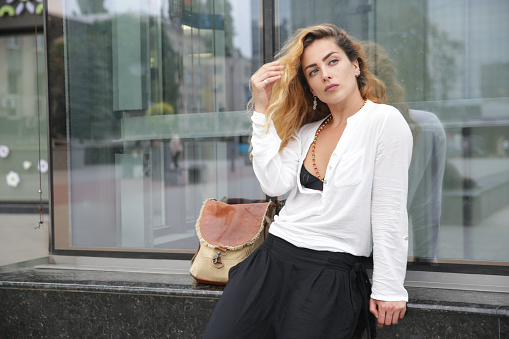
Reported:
(291, 103)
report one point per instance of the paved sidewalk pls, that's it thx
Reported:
(19, 241)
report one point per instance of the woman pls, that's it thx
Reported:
(321, 132)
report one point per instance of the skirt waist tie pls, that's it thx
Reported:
(359, 277)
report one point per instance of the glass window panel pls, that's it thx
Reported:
(154, 118)
(19, 135)
(445, 64)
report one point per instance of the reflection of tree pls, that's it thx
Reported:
(170, 71)
(90, 77)
(229, 31)
(160, 108)
(443, 71)
(381, 64)
(420, 50)
(91, 6)
(56, 78)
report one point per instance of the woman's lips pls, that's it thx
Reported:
(331, 87)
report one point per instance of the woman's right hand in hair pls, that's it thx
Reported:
(262, 82)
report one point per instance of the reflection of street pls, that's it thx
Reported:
(488, 211)
(158, 214)
(476, 188)
(196, 182)
(485, 241)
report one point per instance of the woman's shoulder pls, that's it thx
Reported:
(381, 114)
(388, 120)
(384, 111)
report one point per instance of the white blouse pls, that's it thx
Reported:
(363, 203)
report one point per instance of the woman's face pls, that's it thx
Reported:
(330, 74)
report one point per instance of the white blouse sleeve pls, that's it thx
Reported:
(276, 171)
(389, 219)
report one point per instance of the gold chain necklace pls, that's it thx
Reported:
(313, 145)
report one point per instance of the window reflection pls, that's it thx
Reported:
(155, 119)
(132, 82)
(445, 76)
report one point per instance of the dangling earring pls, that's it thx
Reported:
(314, 103)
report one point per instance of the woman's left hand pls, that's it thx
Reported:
(387, 312)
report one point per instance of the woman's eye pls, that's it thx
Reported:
(333, 62)
(313, 72)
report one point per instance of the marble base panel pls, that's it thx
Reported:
(82, 304)
(432, 324)
(74, 314)
(504, 324)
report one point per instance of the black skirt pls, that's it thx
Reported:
(284, 291)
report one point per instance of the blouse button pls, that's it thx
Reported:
(329, 167)
(324, 181)
(406, 238)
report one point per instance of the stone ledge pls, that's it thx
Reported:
(498, 311)
(184, 292)
(42, 302)
(216, 292)
(493, 303)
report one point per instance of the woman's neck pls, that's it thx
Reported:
(342, 111)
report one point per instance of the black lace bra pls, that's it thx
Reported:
(308, 180)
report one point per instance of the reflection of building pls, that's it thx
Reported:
(212, 81)
(238, 73)
(352, 15)
(144, 77)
